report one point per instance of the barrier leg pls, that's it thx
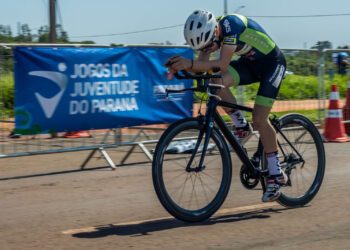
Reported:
(88, 159)
(103, 152)
(127, 154)
(141, 145)
(107, 158)
(145, 150)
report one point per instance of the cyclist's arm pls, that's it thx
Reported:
(203, 64)
(345, 61)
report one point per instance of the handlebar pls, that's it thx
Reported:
(186, 75)
(202, 81)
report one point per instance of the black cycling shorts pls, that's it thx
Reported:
(269, 71)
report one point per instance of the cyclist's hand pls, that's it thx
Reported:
(168, 64)
(176, 63)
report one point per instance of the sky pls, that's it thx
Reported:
(107, 21)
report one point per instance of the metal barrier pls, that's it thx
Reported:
(12, 145)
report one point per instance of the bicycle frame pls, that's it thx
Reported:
(212, 116)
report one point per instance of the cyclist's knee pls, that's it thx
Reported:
(226, 79)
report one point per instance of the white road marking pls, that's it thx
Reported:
(220, 212)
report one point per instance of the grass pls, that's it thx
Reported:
(6, 95)
(296, 87)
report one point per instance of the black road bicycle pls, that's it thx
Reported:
(192, 166)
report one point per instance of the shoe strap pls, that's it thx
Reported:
(271, 181)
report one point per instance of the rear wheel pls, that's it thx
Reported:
(191, 195)
(304, 164)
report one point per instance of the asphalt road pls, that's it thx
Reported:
(48, 203)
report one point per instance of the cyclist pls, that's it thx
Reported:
(343, 61)
(260, 61)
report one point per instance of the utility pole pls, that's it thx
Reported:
(225, 7)
(52, 13)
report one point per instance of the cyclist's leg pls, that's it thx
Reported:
(238, 73)
(262, 124)
(226, 95)
(272, 71)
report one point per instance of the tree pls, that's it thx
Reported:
(43, 34)
(62, 35)
(5, 34)
(25, 34)
(5, 31)
(321, 45)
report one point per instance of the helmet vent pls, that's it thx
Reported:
(199, 25)
(197, 39)
(192, 42)
(196, 12)
(191, 25)
(207, 36)
(210, 16)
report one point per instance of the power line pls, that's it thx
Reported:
(326, 15)
(179, 25)
(133, 32)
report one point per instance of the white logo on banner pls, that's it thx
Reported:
(49, 105)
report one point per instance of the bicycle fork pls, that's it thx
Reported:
(208, 122)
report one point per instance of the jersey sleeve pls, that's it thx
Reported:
(232, 26)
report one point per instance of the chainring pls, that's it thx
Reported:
(247, 179)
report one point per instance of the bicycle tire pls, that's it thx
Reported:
(169, 166)
(304, 136)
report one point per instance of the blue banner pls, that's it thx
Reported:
(71, 89)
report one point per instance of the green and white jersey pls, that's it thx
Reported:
(250, 38)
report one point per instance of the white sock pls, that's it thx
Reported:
(238, 118)
(273, 163)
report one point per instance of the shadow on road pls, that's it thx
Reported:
(51, 173)
(165, 224)
(107, 168)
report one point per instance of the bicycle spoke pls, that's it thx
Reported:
(202, 185)
(197, 188)
(301, 141)
(216, 179)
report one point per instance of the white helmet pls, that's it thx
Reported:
(199, 28)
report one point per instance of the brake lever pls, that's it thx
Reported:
(172, 91)
(170, 99)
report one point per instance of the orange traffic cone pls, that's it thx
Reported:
(77, 134)
(346, 109)
(334, 129)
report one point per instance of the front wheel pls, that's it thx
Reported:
(191, 195)
(303, 160)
